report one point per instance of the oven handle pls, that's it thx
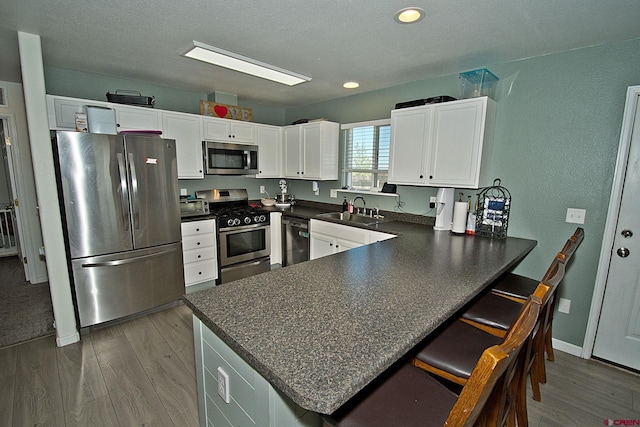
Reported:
(242, 228)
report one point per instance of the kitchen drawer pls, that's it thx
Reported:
(200, 271)
(200, 254)
(199, 241)
(197, 227)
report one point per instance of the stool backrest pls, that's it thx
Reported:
(572, 244)
(486, 392)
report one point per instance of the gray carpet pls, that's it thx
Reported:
(25, 309)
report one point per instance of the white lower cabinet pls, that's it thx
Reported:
(251, 399)
(328, 238)
(199, 251)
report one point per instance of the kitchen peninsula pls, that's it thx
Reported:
(318, 332)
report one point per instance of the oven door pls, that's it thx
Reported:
(246, 243)
(223, 158)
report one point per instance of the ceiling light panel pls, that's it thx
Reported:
(243, 64)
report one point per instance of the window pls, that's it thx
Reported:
(365, 154)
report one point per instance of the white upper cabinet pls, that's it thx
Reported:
(443, 145)
(186, 129)
(408, 152)
(269, 151)
(311, 151)
(225, 130)
(62, 111)
(137, 118)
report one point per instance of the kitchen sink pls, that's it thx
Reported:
(347, 217)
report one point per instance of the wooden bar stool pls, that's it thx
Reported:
(520, 287)
(450, 353)
(495, 316)
(408, 396)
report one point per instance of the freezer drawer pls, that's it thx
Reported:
(112, 286)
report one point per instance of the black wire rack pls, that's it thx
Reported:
(492, 214)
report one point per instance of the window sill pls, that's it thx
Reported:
(367, 192)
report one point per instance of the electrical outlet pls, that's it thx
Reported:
(183, 192)
(576, 216)
(333, 193)
(223, 385)
(262, 190)
(432, 202)
(564, 305)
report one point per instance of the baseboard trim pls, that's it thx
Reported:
(69, 339)
(566, 347)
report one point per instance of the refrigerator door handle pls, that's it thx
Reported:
(134, 193)
(126, 261)
(123, 186)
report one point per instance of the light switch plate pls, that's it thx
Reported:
(576, 216)
(183, 192)
(564, 305)
(334, 193)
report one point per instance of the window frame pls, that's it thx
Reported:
(344, 175)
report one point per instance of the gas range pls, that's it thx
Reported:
(243, 233)
(232, 208)
(237, 217)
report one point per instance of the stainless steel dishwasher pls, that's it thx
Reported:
(295, 240)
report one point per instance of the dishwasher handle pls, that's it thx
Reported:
(295, 223)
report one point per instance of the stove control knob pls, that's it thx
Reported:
(236, 221)
(230, 222)
(247, 220)
(263, 218)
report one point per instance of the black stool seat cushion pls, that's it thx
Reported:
(457, 348)
(514, 285)
(494, 311)
(409, 397)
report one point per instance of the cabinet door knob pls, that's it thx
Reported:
(421, 176)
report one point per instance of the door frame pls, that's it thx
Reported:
(628, 118)
(13, 154)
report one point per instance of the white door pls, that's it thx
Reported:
(618, 333)
(12, 224)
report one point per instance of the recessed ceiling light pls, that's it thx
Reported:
(350, 85)
(243, 64)
(409, 15)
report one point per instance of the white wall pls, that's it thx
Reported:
(42, 156)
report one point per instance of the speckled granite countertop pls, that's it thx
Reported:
(321, 330)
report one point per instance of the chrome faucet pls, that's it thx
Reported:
(363, 202)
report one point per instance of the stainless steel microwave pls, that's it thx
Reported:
(223, 158)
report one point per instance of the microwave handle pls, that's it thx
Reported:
(247, 159)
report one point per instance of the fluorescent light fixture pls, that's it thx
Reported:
(350, 85)
(409, 15)
(243, 64)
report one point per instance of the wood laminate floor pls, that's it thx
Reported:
(142, 372)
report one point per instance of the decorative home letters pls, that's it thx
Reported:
(224, 111)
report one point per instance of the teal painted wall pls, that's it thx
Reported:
(556, 141)
(557, 131)
(79, 84)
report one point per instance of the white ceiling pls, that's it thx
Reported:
(331, 40)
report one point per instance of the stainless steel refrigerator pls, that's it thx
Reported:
(119, 199)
